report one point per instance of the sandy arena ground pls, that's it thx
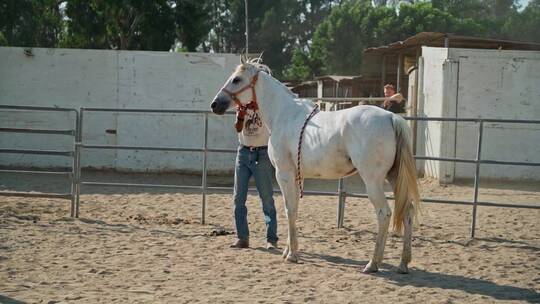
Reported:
(131, 246)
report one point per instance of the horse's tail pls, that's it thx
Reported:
(406, 185)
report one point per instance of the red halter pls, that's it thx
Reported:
(240, 108)
(250, 85)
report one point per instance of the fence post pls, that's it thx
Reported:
(74, 169)
(205, 153)
(341, 202)
(477, 177)
(78, 149)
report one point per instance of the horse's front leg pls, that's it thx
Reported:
(291, 195)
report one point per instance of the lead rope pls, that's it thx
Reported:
(299, 173)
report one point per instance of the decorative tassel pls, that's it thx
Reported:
(239, 124)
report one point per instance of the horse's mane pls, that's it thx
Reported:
(257, 63)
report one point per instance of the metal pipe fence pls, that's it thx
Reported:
(342, 193)
(204, 189)
(66, 153)
(81, 145)
(478, 161)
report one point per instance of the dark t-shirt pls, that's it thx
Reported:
(395, 103)
(395, 107)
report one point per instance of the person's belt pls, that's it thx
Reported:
(250, 148)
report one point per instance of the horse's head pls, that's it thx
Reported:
(240, 87)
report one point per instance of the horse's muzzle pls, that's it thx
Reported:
(220, 105)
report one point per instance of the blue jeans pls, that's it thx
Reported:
(257, 164)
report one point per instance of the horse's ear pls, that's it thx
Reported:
(243, 59)
(260, 57)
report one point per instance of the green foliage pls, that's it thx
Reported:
(423, 17)
(3, 40)
(491, 15)
(299, 38)
(351, 27)
(276, 27)
(120, 24)
(461, 9)
(192, 24)
(354, 25)
(30, 23)
(300, 66)
(111, 24)
(524, 26)
(227, 23)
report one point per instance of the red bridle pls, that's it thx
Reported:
(240, 108)
(253, 103)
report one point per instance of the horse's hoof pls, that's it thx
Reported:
(371, 267)
(403, 269)
(285, 252)
(293, 258)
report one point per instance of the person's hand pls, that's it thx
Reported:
(396, 97)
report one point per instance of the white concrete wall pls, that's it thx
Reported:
(118, 79)
(472, 83)
(500, 85)
(431, 88)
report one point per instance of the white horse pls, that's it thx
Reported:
(366, 140)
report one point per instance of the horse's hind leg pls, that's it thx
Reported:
(376, 195)
(406, 255)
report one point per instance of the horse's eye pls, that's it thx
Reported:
(236, 80)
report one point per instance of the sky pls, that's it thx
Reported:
(523, 3)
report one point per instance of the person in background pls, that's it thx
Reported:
(252, 160)
(393, 102)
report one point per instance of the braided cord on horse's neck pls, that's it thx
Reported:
(298, 170)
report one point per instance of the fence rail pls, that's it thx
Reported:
(71, 154)
(341, 193)
(38, 131)
(203, 188)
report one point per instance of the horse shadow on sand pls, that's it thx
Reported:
(8, 300)
(426, 279)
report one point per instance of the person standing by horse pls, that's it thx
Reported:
(393, 102)
(252, 160)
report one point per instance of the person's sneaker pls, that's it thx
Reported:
(240, 244)
(271, 245)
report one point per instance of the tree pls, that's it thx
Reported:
(227, 23)
(120, 24)
(3, 40)
(462, 9)
(351, 27)
(136, 24)
(191, 22)
(276, 27)
(354, 25)
(302, 26)
(300, 67)
(32, 23)
(524, 25)
(273, 36)
(491, 15)
(305, 16)
(423, 17)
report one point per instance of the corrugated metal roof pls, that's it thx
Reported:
(410, 44)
